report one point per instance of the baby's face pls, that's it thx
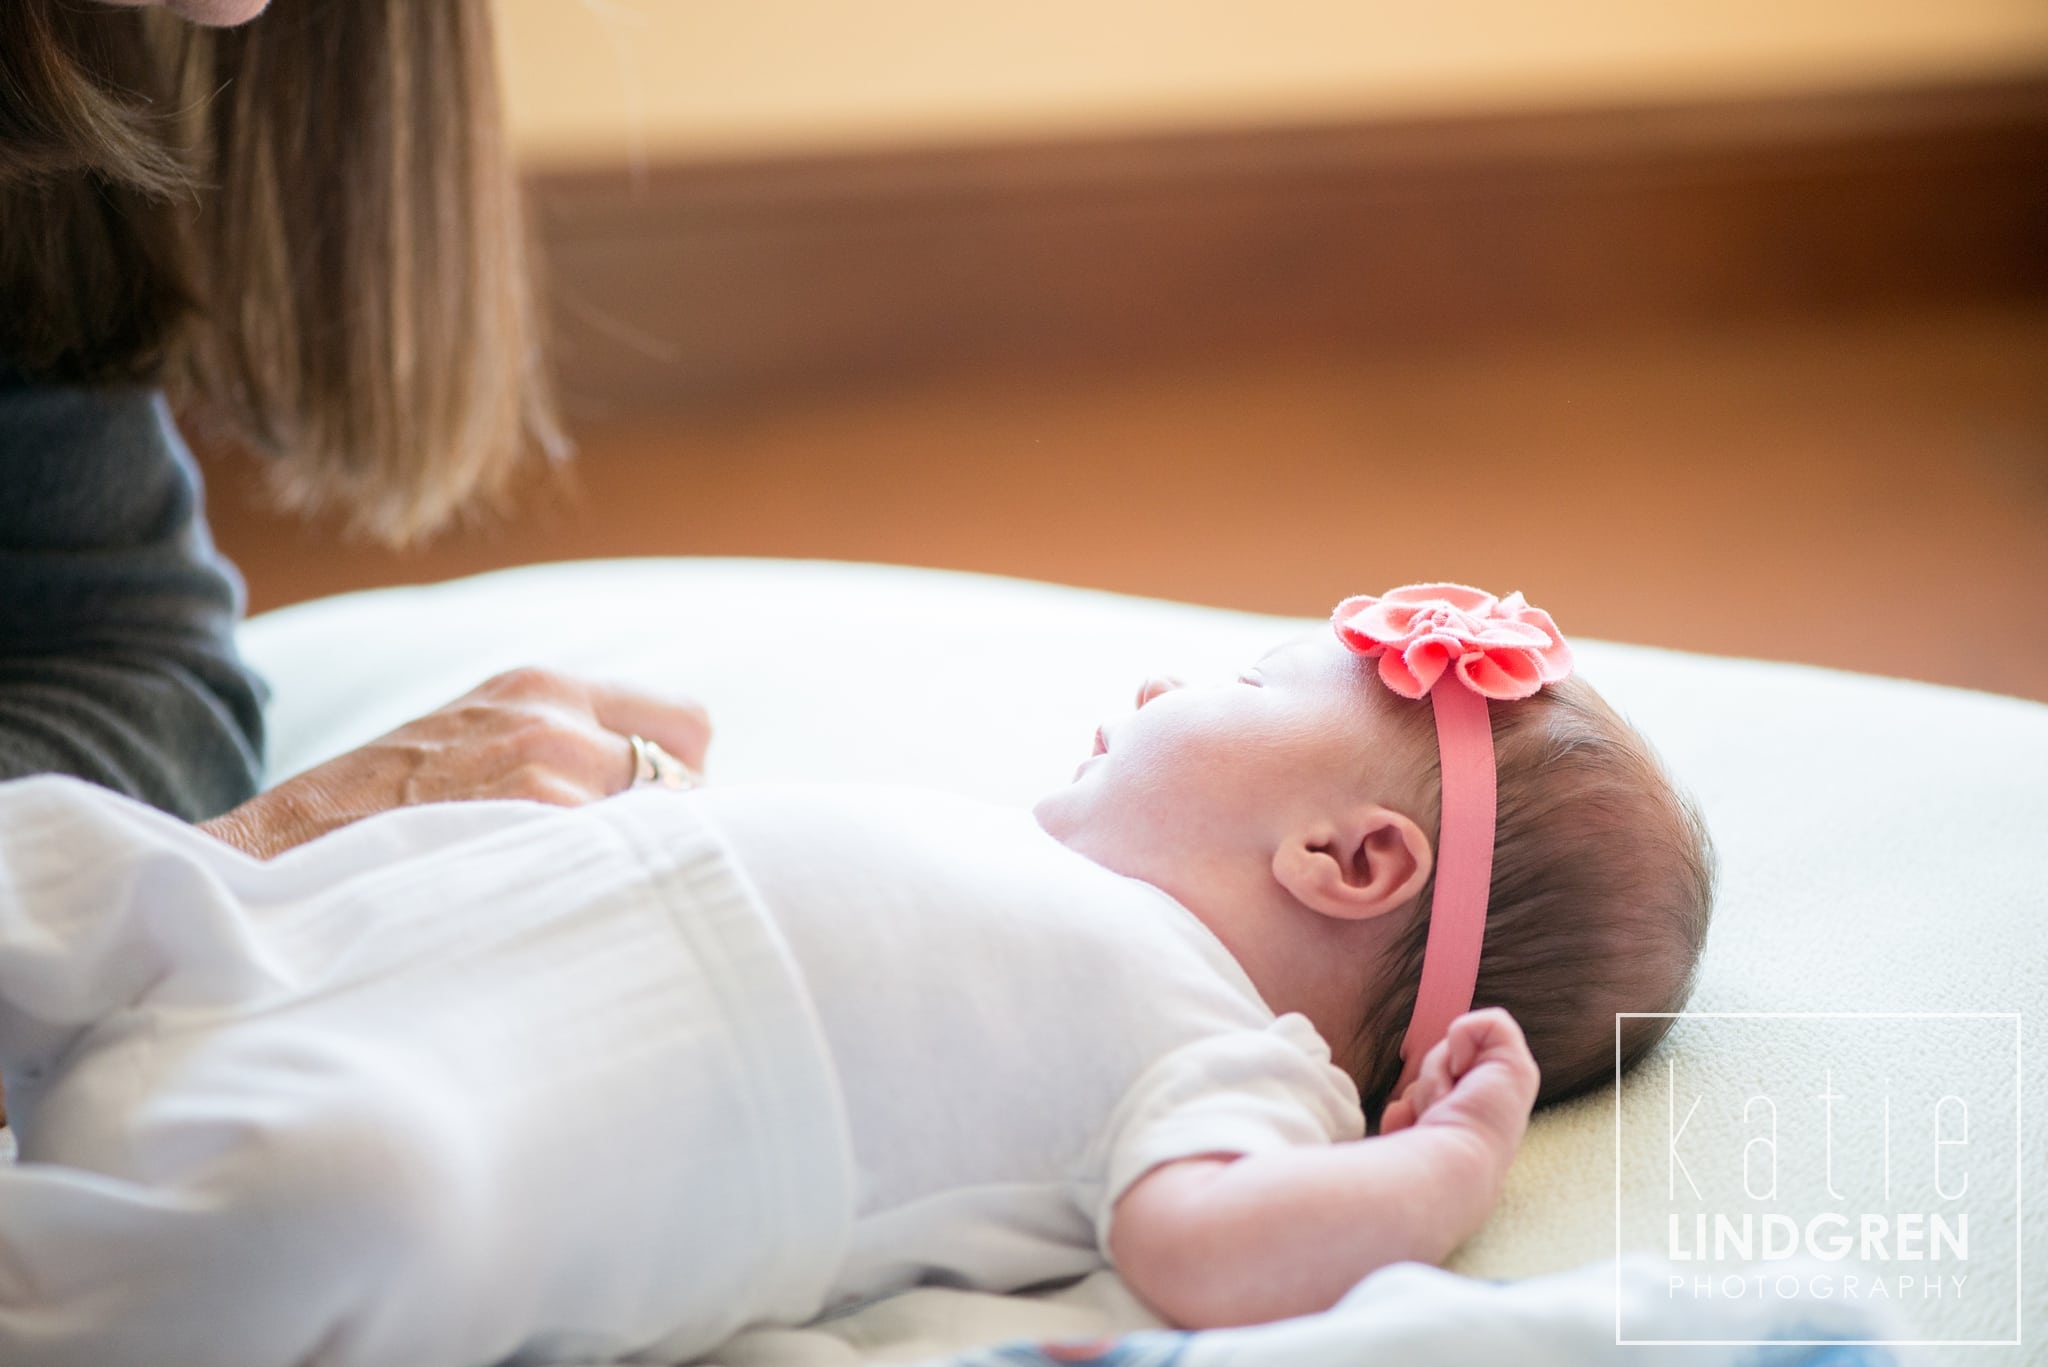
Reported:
(1198, 779)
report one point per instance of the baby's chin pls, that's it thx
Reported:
(1075, 816)
(1060, 813)
(1063, 812)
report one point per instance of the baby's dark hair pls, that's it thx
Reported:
(1603, 882)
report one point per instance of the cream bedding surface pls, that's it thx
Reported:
(1884, 847)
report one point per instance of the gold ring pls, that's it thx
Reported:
(654, 767)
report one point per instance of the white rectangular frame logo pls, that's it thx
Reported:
(2018, 1194)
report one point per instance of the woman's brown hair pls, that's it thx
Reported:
(307, 228)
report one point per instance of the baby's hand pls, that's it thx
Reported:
(1480, 1078)
(1214, 1240)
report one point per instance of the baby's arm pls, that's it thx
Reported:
(1211, 1241)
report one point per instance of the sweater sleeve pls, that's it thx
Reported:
(117, 615)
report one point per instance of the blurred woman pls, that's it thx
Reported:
(302, 228)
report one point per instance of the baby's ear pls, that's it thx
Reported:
(1372, 861)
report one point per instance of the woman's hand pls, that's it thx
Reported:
(529, 733)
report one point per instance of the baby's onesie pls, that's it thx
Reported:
(464, 1082)
(1019, 1032)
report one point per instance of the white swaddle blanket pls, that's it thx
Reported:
(361, 1108)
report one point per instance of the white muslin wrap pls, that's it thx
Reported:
(556, 1091)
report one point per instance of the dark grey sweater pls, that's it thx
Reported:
(117, 616)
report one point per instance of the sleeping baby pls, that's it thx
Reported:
(487, 1081)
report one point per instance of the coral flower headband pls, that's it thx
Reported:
(1459, 647)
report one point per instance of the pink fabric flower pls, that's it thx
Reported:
(1499, 647)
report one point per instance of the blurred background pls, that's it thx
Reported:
(1715, 324)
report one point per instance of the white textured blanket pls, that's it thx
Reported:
(1884, 847)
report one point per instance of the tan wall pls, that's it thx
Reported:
(598, 80)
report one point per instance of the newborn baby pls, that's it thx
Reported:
(469, 1082)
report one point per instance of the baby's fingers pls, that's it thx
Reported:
(1490, 1036)
(1409, 1107)
(1477, 1037)
(1433, 1082)
(1479, 1033)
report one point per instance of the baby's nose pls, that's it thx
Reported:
(1155, 685)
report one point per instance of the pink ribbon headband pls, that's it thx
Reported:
(1461, 648)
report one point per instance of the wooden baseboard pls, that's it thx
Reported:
(692, 284)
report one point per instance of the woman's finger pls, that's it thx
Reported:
(680, 726)
(574, 732)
